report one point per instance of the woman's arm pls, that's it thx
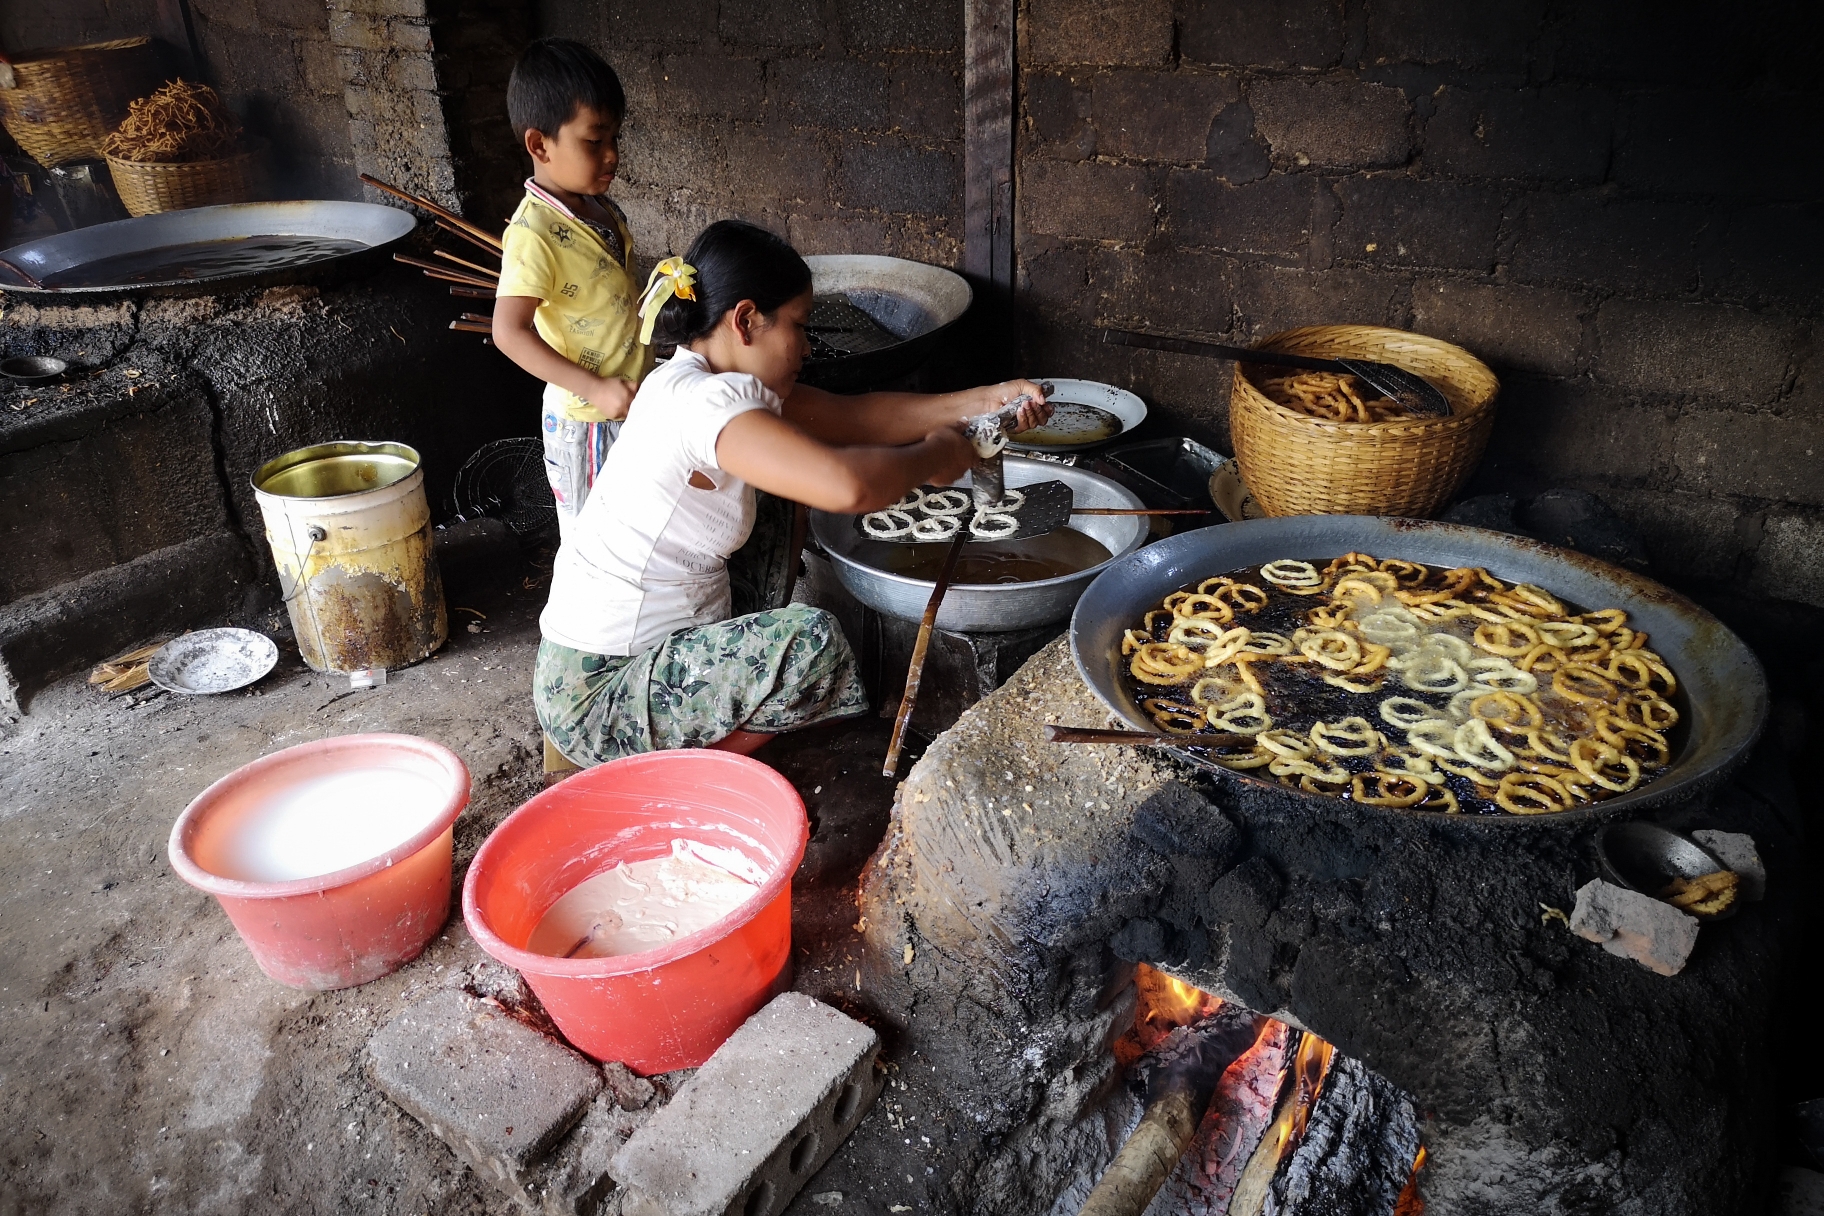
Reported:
(776, 456)
(891, 418)
(518, 340)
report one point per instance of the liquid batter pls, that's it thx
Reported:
(643, 905)
(327, 824)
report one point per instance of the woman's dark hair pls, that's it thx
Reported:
(553, 80)
(735, 261)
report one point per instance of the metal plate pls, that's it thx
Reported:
(1071, 430)
(1644, 857)
(1046, 509)
(374, 227)
(212, 660)
(1720, 676)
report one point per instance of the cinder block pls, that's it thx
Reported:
(1688, 536)
(770, 22)
(1093, 200)
(927, 98)
(1625, 245)
(897, 175)
(1396, 220)
(495, 1090)
(1702, 350)
(1557, 134)
(1786, 563)
(1057, 107)
(1337, 122)
(1271, 216)
(1650, 931)
(847, 94)
(1159, 116)
(1769, 253)
(758, 1120)
(1752, 454)
(1530, 329)
(1736, 850)
(709, 85)
(1572, 432)
(1263, 33)
(1494, 34)
(892, 25)
(1137, 33)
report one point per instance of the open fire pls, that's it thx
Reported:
(1241, 1154)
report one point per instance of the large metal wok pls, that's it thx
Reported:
(368, 227)
(912, 301)
(1720, 679)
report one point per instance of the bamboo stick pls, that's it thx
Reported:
(483, 271)
(915, 673)
(466, 235)
(439, 271)
(492, 241)
(472, 293)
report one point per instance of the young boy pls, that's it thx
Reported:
(567, 310)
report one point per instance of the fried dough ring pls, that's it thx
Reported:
(1174, 723)
(1204, 607)
(1396, 711)
(1286, 744)
(1387, 786)
(1433, 671)
(1164, 663)
(1268, 644)
(1352, 563)
(1596, 760)
(1581, 682)
(937, 527)
(1353, 585)
(1245, 596)
(1433, 737)
(1476, 744)
(1288, 573)
(1347, 737)
(1509, 640)
(1507, 711)
(1246, 714)
(1330, 648)
(882, 525)
(947, 503)
(1532, 794)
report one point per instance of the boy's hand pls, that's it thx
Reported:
(610, 396)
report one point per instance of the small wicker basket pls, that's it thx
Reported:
(1297, 465)
(145, 186)
(67, 100)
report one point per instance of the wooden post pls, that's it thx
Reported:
(988, 131)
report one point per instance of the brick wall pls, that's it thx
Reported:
(1613, 204)
(837, 123)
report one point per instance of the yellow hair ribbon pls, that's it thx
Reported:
(672, 277)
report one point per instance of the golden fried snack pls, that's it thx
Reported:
(1705, 895)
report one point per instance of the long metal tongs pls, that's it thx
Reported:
(1417, 395)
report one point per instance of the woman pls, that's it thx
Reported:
(639, 651)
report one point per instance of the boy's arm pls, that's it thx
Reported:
(518, 340)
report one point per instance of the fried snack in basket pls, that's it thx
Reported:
(181, 122)
(1330, 396)
(1441, 678)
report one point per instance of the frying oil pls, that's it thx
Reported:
(1053, 555)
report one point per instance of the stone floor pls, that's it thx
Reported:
(147, 1065)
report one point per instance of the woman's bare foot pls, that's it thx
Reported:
(742, 742)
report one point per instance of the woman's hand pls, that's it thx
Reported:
(951, 452)
(994, 397)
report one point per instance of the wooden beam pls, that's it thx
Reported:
(988, 133)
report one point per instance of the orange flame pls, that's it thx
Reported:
(1308, 1068)
(1411, 1203)
(1166, 1003)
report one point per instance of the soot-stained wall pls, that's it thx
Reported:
(1609, 202)
(837, 124)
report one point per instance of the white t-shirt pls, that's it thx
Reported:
(648, 553)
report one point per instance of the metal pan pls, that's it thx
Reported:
(1073, 430)
(1720, 676)
(367, 228)
(914, 302)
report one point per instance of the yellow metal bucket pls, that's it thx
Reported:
(350, 532)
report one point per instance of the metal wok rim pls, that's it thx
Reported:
(1723, 729)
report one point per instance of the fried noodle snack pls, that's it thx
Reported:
(1393, 684)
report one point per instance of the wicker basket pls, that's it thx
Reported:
(1298, 465)
(146, 187)
(67, 100)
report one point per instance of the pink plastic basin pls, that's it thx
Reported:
(331, 858)
(661, 1009)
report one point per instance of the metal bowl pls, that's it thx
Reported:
(1719, 676)
(212, 660)
(33, 369)
(912, 301)
(1645, 857)
(998, 607)
(1127, 409)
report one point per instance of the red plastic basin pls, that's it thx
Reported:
(331, 858)
(661, 1009)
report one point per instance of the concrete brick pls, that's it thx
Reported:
(357, 31)
(675, 154)
(937, 239)
(701, 85)
(1158, 116)
(1270, 217)
(672, 26)
(319, 66)
(375, 8)
(770, 22)
(1531, 329)
(1403, 221)
(277, 15)
(1138, 33)
(892, 25)
(1337, 122)
(1787, 563)
(1751, 454)
(776, 163)
(1197, 295)
(897, 175)
(1057, 110)
(1556, 134)
(847, 94)
(1688, 536)
(1702, 350)
(1496, 34)
(927, 97)
(414, 73)
(1267, 33)
(1235, 152)
(498, 1092)
(840, 233)
(1650, 931)
(1769, 254)
(1271, 299)
(1571, 432)
(1736, 850)
(1624, 245)
(759, 1118)
(1092, 200)
(408, 34)
(1054, 279)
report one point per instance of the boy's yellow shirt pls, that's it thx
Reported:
(588, 308)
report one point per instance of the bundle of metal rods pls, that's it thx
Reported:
(467, 279)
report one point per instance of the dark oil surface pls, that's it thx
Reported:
(1297, 697)
(1060, 552)
(1072, 423)
(235, 258)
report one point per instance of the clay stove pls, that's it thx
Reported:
(1022, 885)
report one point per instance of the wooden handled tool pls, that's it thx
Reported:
(1138, 511)
(1134, 738)
(479, 234)
(916, 671)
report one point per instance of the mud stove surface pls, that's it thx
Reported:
(1024, 885)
